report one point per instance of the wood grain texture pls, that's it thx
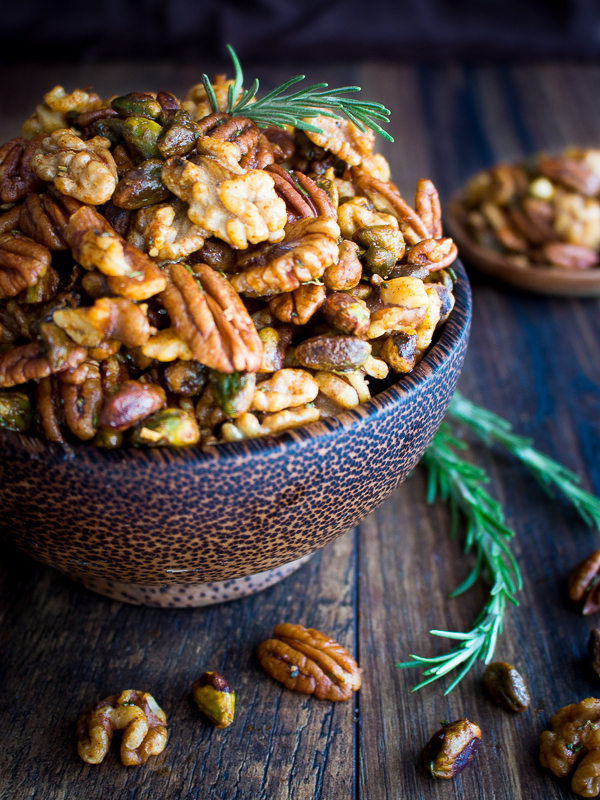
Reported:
(378, 589)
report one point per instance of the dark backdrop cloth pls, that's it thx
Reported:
(263, 30)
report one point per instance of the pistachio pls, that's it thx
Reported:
(141, 186)
(56, 345)
(400, 351)
(171, 427)
(214, 698)
(452, 747)
(141, 136)
(362, 291)
(506, 686)
(137, 104)
(131, 402)
(15, 411)
(346, 314)
(108, 439)
(187, 378)
(381, 236)
(179, 135)
(234, 392)
(169, 105)
(379, 261)
(333, 353)
(111, 128)
(45, 288)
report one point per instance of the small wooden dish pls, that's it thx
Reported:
(543, 279)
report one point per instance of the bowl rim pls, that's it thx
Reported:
(446, 343)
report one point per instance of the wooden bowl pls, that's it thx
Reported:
(161, 526)
(542, 279)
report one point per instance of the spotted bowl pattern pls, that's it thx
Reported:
(197, 515)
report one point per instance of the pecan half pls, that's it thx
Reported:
(28, 362)
(435, 254)
(16, 175)
(211, 319)
(298, 306)
(50, 414)
(82, 401)
(575, 175)
(22, 263)
(309, 247)
(570, 256)
(44, 217)
(109, 318)
(306, 660)
(427, 206)
(95, 244)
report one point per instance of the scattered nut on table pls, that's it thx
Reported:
(137, 714)
(575, 732)
(452, 747)
(308, 661)
(214, 698)
(584, 584)
(506, 686)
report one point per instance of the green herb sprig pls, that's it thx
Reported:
(279, 109)
(461, 483)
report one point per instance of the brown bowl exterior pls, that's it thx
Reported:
(188, 516)
(542, 280)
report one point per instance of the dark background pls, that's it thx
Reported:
(264, 30)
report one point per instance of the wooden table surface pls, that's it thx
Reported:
(378, 589)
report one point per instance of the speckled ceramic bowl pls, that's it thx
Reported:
(195, 526)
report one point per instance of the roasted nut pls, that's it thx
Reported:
(337, 389)
(212, 320)
(82, 169)
(137, 104)
(82, 402)
(165, 231)
(451, 748)
(216, 254)
(171, 427)
(426, 328)
(22, 263)
(574, 175)
(343, 138)
(275, 343)
(584, 585)
(77, 101)
(166, 345)
(576, 220)
(346, 274)
(427, 206)
(309, 247)
(435, 254)
(405, 292)
(570, 256)
(17, 177)
(129, 404)
(400, 351)
(179, 135)
(141, 186)
(233, 392)
(575, 731)
(506, 686)
(299, 306)
(110, 440)
(357, 212)
(118, 218)
(385, 237)
(347, 314)
(49, 411)
(110, 128)
(29, 362)
(44, 218)
(15, 411)
(594, 650)
(306, 660)
(248, 426)
(185, 378)
(137, 714)
(10, 220)
(109, 318)
(333, 353)
(285, 389)
(214, 698)
(237, 206)
(141, 135)
(94, 244)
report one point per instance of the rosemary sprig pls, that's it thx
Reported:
(462, 485)
(279, 109)
(549, 473)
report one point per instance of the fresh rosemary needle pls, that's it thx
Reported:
(279, 109)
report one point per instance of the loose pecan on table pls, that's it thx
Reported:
(306, 660)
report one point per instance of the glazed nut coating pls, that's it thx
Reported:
(137, 714)
(214, 698)
(22, 263)
(583, 583)
(306, 660)
(575, 731)
(451, 748)
(506, 686)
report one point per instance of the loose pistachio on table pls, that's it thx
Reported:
(506, 686)
(214, 698)
(452, 748)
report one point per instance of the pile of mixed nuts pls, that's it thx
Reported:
(171, 274)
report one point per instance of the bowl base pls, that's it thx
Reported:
(189, 595)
